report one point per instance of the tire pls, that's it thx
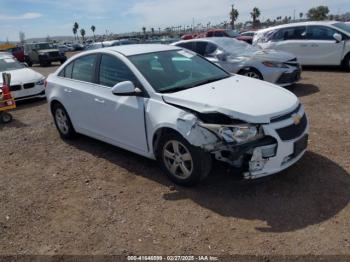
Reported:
(29, 62)
(5, 117)
(251, 72)
(184, 164)
(347, 62)
(63, 122)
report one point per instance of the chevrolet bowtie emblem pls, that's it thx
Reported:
(296, 119)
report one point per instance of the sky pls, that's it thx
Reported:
(39, 18)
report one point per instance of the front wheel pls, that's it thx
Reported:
(251, 72)
(63, 122)
(184, 164)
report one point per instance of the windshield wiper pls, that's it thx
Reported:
(174, 89)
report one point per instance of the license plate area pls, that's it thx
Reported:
(300, 145)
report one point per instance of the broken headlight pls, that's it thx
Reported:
(235, 133)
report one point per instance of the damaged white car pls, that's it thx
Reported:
(170, 104)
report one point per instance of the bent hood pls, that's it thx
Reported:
(239, 97)
(24, 75)
(269, 55)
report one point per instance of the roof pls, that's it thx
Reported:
(129, 50)
(308, 23)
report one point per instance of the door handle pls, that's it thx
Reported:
(101, 101)
(314, 45)
(67, 90)
(303, 45)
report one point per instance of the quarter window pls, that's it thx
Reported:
(83, 68)
(67, 71)
(114, 71)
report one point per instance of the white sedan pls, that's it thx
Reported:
(25, 82)
(314, 43)
(167, 103)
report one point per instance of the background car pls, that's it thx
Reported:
(219, 33)
(17, 52)
(239, 57)
(25, 82)
(246, 36)
(42, 53)
(314, 43)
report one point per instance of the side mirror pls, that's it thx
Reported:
(338, 37)
(126, 88)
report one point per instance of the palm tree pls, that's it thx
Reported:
(301, 15)
(93, 28)
(152, 30)
(233, 16)
(144, 30)
(75, 29)
(82, 32)
(255, 15)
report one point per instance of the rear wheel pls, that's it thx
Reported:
(184, 164)
(251, 72)
(63, 122)
(5, 117)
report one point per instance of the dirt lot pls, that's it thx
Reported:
(86, 197)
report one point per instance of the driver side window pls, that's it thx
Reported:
(114, 71)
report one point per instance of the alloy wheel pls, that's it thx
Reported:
(62, 120)
(177, 159)
(252, 74)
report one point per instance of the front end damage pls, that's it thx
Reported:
(261, 154)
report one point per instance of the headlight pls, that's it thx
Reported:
(41, 82)
(235, 133)
(274, 64)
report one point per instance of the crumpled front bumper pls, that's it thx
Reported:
(286, 155)
(271, 154)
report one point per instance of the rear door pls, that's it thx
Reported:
(79, 93)
(321, 47)
(292, 40)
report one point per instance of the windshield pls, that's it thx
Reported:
(343, 26)
(43, 46)
(7, 64)
(172, 71)
(236, 47)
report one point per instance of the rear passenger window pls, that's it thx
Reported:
(290, 33)
(201, 48)
(113, 71)
(83, 68)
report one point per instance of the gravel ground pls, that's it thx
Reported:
(87, 197)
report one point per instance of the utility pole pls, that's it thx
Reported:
(294, 16)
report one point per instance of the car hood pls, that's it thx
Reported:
(267, 55)
(239, 97)
(24, 75)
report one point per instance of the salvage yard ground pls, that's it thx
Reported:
(86, 197)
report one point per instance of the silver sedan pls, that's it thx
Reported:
(236, 56)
